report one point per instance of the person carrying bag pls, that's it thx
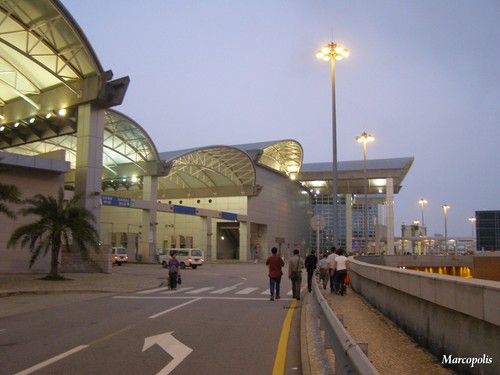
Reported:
(295, 267)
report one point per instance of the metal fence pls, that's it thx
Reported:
(349, 356)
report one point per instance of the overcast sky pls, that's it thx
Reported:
(423, 78)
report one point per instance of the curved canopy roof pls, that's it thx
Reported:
(47, 65)
(284, 156)
(207, 172)
(41, 47)
(128, 151)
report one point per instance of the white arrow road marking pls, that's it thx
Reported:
(172, 346)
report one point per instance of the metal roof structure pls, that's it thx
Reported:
(226, 170)
(284, 156)
(317, 177)
(207, 172)
(49, 69)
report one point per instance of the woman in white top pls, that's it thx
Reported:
(340, 265)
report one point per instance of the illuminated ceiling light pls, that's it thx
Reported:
(2, 128)
(133, 178)
(293, 176)
(1, 117)
(318, 183)
(48, 115)
(31, 120)
(62, 112)
(16, 124)
(379, 182)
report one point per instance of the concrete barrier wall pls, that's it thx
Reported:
(449, 315)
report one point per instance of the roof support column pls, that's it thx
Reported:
(389, 196)
(206, 236)
(88, 174)
(245, 241)
(149, 219)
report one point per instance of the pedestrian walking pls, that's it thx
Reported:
(311, 264)
(331, 267)
(323, 270)
(275, 264)
(341, 272)
(295, 266)
(173, 270)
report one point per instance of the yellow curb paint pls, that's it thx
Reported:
(279, 360)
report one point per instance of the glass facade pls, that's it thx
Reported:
(323, 205)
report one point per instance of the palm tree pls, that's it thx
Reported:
(58, 220)
(9, 194)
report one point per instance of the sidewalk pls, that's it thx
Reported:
(389, 349)
(14, 284)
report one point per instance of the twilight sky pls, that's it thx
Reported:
(423, 78)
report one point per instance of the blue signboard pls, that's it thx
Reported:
(228, 216)
(184, 210)
(108, 200)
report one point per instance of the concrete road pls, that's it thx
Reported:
(220, 320)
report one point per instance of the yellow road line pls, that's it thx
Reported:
(279, 360)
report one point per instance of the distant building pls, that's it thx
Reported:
(488, 230)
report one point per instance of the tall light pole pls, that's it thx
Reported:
(332, 52)
(422, 202)
(365, 138)
(472, 220)
(445, 210)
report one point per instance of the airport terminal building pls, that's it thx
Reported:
(59, 128)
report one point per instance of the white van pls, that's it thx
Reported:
(119, 255)
(186, 257)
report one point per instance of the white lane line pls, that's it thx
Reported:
(201, 290)
(247, 291)
(173, 308)
(51, 360)
(225, 290)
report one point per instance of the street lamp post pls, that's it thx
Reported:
(421, 202)
(365, 138)
(332, 52)
(472, 220)
(445, 210)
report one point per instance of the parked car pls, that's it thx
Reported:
(186, 257)
(119, 255)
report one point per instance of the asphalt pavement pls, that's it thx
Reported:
(389, 349)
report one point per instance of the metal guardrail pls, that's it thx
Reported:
(349, 357)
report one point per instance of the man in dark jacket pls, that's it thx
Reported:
(311, 265)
